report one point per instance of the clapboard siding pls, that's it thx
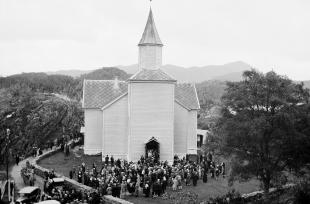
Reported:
(93, 131)
(115, 131)
(150, 57)
(181, 117)
(192, 132)
(151, 115)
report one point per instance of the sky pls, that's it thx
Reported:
(50, 35)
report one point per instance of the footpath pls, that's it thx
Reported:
(16, 176)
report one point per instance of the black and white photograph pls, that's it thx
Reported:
(154, 102)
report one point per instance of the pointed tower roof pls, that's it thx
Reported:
(150, 35)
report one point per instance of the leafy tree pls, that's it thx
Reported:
(36, 118)
(265, 126)
(43, 107)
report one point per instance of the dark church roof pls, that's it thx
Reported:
(150, 35)
(151, 75)
(99, 93)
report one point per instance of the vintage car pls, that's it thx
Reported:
(54, 183)
(29, 194)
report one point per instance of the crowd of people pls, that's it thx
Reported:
(146, 177)
(27, 173)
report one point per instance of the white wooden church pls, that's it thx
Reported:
(150, 112)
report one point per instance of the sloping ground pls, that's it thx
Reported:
(212, 188)
(62, 164)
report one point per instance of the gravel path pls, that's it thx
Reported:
(15, 174)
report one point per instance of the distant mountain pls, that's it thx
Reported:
(233, 76)
(198, 74)
(72, 72)
(231, 71)
(227, 72)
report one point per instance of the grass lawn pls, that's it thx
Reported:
(205, 191)
(212, 188)
(63, 165)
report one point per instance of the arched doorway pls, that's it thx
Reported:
(152, 149)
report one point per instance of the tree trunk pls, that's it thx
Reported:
(266, 183)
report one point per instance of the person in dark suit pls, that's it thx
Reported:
(195, 178)
(17, 159)
(112, 161)
(80, 176)
(146, 189)
(205, 176)
(71, 174)
(106, 160)
(223, 169)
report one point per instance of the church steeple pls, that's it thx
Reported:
(150, 35)
(150, 46)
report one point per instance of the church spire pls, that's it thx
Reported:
(150, 35)
(150, 46)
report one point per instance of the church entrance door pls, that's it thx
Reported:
(152, 150)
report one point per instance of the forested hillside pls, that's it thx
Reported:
(209, 95)
(210, 92)
(41, 82)
(61, 84)
(37, 107)
(106, 73)
(34, 118)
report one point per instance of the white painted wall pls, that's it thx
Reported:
(115, 129)
(150, 57)
(151, 114)
(180, 129)
(192, 132)
(93, 131)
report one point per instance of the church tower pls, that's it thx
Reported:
(150, 101)
(150, 46)
(148, 115)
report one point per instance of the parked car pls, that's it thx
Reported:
(29, 194)
(54, 183)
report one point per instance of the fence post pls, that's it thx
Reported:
(9, 190)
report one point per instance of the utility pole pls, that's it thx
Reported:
(7, 161)
(7, 153)
(8, 142)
